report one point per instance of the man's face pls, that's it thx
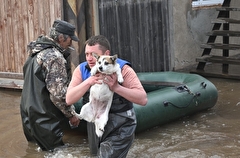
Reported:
(89, 50)
(65, 43)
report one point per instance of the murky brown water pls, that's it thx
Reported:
(214, 133)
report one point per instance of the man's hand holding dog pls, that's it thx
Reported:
(74, 120)
(96, 79)
(111, 81)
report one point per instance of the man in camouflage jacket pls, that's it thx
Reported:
(46, 77)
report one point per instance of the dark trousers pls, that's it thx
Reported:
(117, 138)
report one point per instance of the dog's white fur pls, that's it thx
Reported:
(100, 98)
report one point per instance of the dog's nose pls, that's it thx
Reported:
(100, 68)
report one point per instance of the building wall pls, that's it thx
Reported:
(189, 31)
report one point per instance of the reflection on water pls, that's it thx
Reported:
(214, 133)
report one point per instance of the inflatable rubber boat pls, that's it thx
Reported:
(171, 95)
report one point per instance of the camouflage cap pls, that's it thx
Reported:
(65, 28)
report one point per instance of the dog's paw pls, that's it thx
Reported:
(99, 127)
(84, 116)
(93, 71)
(99, 132)
(120, 79)
(79, 116)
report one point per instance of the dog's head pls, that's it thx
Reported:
(106, 64)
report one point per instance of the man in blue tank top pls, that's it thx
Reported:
(119, 131)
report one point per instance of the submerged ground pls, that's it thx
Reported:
(213, 133)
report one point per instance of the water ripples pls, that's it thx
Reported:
(209, 134)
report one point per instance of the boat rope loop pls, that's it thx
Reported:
(184, 88)
(180, 89)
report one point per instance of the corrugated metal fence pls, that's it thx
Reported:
(139, 32)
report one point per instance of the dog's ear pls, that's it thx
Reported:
(113, 58)
(95, 56)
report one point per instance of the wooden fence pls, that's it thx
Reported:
(21, 22)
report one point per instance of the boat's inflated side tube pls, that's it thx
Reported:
(166, 103)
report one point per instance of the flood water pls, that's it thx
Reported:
(214, 133)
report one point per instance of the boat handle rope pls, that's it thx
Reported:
(180, 89)
(184, 88)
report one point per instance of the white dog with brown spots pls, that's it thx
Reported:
(100, 98)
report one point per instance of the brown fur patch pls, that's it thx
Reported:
(109, 60)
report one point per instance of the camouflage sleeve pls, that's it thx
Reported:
(57, 82)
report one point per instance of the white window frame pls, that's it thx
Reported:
(201, 3)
